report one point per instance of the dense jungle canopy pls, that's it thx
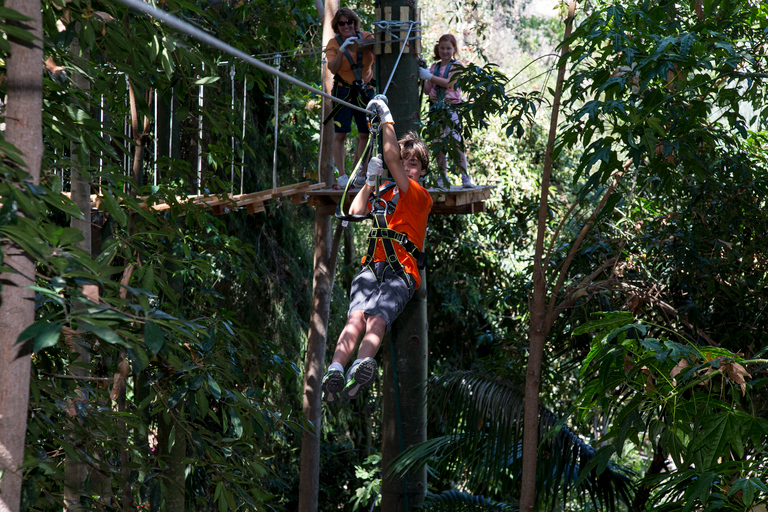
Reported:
(617, 282)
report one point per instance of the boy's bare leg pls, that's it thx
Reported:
(375, 328)
(348, 338)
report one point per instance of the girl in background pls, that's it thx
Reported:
(440, 86)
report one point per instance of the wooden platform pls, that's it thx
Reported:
(454, 201)
(253, 203)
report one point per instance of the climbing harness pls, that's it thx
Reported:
(380, 208)
(357, 88)
(440, 90)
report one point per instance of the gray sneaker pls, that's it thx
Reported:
(358, 377)
(333, 383)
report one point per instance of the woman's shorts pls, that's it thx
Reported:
(382, 292)
(342, 121)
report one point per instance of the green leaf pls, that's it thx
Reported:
(214, 388)
(104, 333)
(701, 489)
(10, 14)
(609, 321)
(154, 337)
(114, 209)
(45, 334)
(206, 80)
(237, 425)
(177, 396)
(9, 211)
(718, 436)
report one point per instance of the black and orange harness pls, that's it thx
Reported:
(380, 208)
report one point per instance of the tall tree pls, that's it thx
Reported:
(404, 356)
(322, 285)
(24, 129)
(541, 314)
(76, 470)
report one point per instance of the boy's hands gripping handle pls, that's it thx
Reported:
(375, 169)
(378, 107)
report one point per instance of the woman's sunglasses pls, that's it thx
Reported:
(348, 22)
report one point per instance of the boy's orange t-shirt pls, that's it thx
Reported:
(410, 217)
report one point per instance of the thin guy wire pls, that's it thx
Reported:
(277, 114)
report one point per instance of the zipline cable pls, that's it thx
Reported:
(204, 37)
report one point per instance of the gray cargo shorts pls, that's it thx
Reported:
(382, 292)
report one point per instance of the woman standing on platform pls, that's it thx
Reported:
(352, 68)
(443, 93)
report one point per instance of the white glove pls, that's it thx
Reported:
(348, 41)
(424, 74)
(375, 169)
(378, 105)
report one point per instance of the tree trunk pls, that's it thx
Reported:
(409, 337)
(172, 450)
(322, 285)
(541, 317)
(405, 385)
(24, 129)
(76, 471)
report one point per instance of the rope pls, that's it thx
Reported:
(314, 50)
(232, 171)
(277, 97)
(353, 175)
(242, 159)
(204, 37)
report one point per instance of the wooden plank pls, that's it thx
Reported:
(417, 18)
(387, 36)
(465, 209)
(255, 208)
(405, 15)
(378, 34)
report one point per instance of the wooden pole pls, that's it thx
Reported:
(409, 333)
(322, 287)
(24, 129)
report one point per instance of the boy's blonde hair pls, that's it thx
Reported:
(411, 146)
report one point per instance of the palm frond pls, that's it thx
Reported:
(457, 501)
(482, 446)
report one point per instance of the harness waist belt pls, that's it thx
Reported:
(402, 239)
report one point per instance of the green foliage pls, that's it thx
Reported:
(693, 403)
(175, 358)
(480, 418)
(370, 491)
(462, 502)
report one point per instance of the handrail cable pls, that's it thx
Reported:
(204, 37)
(314, 50)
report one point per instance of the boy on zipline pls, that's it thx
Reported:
(389, 278)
